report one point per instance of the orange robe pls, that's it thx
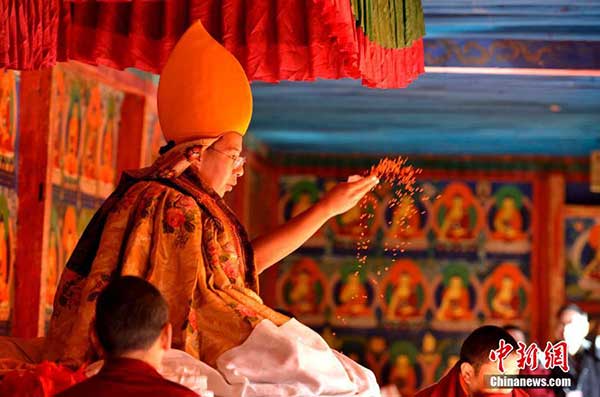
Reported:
(165, 225)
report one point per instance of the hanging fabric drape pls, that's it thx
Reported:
(378, 41)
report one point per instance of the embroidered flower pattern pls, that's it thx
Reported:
(221, 252)
(244, 311)
(230, 271)
(180, 218)
(175, 217)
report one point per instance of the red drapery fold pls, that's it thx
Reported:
(273, 39)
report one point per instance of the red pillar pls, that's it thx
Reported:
(547, 271)
(131, 131)
(33, 188)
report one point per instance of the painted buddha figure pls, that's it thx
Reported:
(429, 343)
(353, 297)
(456, 223)
(302, 296)
(403, 375)
(73, 135)
(592, 269)
(508, 221)
(92, 131)
(302, 200)
(107, 173)
(403, 302)
(405, 220)
(429, 358)
(377, 356)
(505, 303)
(455, 301)
(350, 222)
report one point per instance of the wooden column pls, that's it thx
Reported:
(547, 267)
(555, 269)
(32, 188)
(265, 217)
(131, 131)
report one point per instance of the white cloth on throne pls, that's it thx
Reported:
(292, 360)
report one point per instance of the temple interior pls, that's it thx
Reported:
(496, 103)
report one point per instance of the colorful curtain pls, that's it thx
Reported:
(378, 41)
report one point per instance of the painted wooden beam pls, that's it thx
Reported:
(441, 113)
(513, 54)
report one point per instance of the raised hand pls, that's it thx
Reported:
(346, 195)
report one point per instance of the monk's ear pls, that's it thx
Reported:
(96, 346)
(468, 373)
(166, 336)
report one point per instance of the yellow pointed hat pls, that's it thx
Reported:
(203, 90)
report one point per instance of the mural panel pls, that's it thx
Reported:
(435, 270)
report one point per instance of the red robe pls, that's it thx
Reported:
(450, 386)
(128, 378)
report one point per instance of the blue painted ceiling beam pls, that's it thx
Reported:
(513, 19)
(438, 114)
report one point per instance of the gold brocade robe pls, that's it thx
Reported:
(164, 225)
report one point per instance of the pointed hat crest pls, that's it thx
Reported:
(203, 90)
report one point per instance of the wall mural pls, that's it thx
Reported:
(70, 214)
(9, 117)
(465, 260)
(8, 246)
(582, 256)
(84, 117)
(153, 138)
(9, 104)
(84, 126)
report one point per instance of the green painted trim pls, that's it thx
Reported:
(453, 164)
(390, 23)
